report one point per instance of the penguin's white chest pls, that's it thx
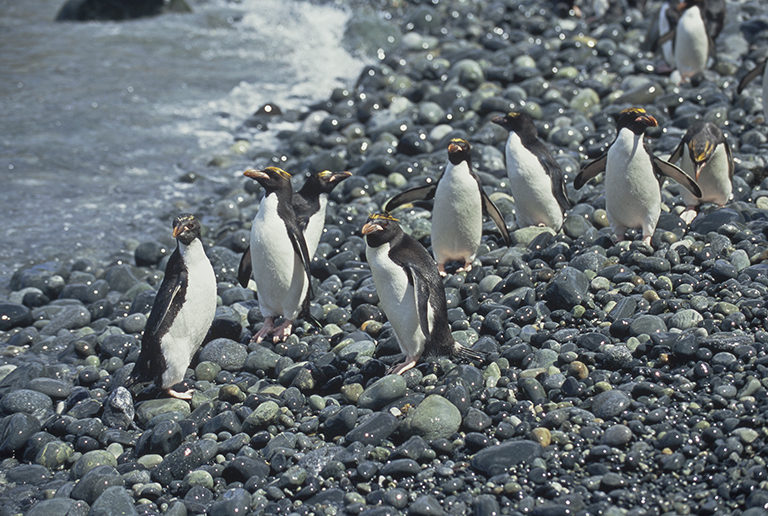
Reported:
(314, 229)
(713, 180)
(691, 43)
(277, 269)
(457, 215)
(632, 194)
(193, 320)
(535, 204)
(398, 298)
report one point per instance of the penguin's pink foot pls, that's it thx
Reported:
(283, 331)
(186, 395)
(441, 270)
(689, 214)
(647, 240)
(404, 366)
(466, 268)
(269, 325)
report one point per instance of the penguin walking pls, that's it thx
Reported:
(411, 293)
(535, 178)
(309, 205)
(633, 177)
(181, 315)
(707, 158)
(760, 69)
(457, 215)
(279, 254)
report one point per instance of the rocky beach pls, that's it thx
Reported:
(618, 379)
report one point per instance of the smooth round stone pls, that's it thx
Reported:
(152, 408)
(28, 474)
(91, 460)
(647, 324)
(496, 460)
(364, 348)
(261, 417)
(567, 289)
(198, 477)
(576, 226)
(54, 455)
(426, 505)
(685, 319)
(70, 317)
(134, 323)
(542, 436)
(26, 401)
(430, 113)
(488, 283)
(617, 435)
(585, 101)
(58, 507)
(469, 73)
(261, 359)
(543, 358)
(226, 353)
(13, 315)
(609, 404)
(207, 371)
(476, 420)
(114, 500)
(739, 258)
(374, 429)
(434, 418)
(382, 392)
(51, 387)
(232, 501)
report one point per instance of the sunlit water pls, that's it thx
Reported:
(97, 120)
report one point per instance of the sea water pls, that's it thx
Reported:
(99, 119)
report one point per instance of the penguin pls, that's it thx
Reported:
(457, 214)
(699, 22)
(707, 158)
(535, 178)
(760, 69)
(181, 315)
(309, 204)
(666, 22)
(411, 293)
(633, 176)
(279, 254)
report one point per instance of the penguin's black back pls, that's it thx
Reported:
(151, 364)
(306, 202)
(409, 254)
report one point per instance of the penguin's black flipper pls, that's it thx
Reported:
(492, 211)
(590, 170)
(245, 269)
(667, 169)
(300, 247)
(420, 193)
(678, 152)
(729, 154)
(554, 171)
(758, 70)
(669, 36)
(173, 282)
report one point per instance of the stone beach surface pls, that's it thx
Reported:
(619, 378)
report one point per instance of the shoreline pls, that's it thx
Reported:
(619, 379)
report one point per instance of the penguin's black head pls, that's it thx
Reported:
(458, 151)
(186, 228)
(520, 123)
(380, 229)
(636, 120)
(326, 181)
(271, 178)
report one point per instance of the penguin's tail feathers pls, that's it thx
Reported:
(461, 351)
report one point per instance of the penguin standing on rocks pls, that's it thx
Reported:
(536, 180)
(707, 158)
(760, 69)
(279, 254)
(181, 315)
(411, 293)
(457, 216)
(632, 177)
(309, 205)
(699, 22)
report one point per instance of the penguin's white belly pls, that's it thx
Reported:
(457, 216)
(632, 194)
(277, 270)
(714, 182)
(192, 322)
(691, 43)
(535, 204)
(666, 49)
(314, 229)
(398, 299)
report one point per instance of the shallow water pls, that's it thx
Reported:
(100, 119)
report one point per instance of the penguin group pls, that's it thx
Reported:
(287, 229)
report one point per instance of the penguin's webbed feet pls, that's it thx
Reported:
(186, 395)
(441, 270)
(403, 366)
(269, 325)
(466, 268)
(689, 214)
(282, 332)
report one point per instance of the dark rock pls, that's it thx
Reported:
(498, 459)
(568, 289)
